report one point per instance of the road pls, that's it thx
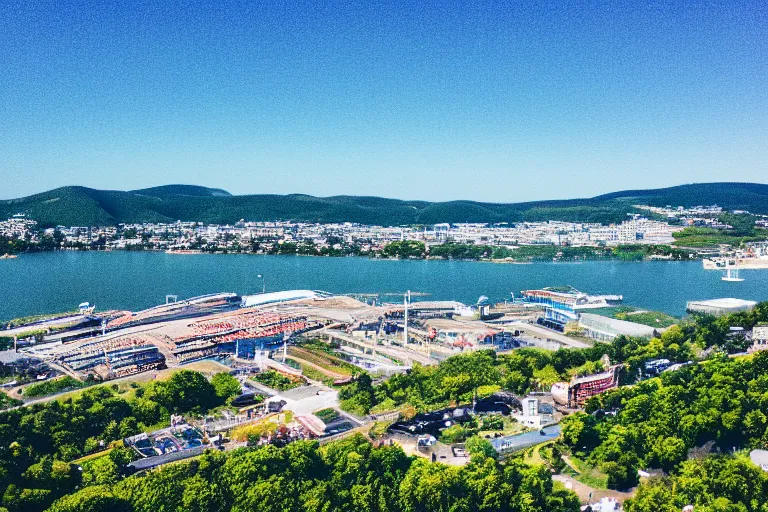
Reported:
(518, 442)
(547, 334)
(46, 324)
(403, 354)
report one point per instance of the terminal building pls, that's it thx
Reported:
(564, 306)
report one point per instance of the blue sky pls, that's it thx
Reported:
(506, 101)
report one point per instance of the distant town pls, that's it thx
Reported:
(659, 227)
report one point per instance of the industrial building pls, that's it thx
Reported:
(719, 307)
(603, 328)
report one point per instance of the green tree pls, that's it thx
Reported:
(478, 446)
(226, 386)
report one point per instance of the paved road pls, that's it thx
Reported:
(541, 332)
(522, 441)
(58, 322)
(584, 491)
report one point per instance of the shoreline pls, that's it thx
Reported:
(500, 261)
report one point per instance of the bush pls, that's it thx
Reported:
(226, 386)
(278, 381)
(493, 422)
(327, 415)
(480, 447)
(454, 434)
(185, 391)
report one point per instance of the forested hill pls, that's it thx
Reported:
(81, 206)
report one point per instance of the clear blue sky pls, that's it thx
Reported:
(507, 101)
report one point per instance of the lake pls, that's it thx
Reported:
(57, 281)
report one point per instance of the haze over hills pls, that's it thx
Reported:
(81, 206)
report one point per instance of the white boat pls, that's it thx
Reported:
(732, 275)
(86, 308)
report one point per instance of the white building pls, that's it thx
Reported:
(532, 416)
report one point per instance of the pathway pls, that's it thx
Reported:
(589, 494)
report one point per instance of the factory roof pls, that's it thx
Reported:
(725, 303)
(273, 297)
(11, 356)
(614, 326)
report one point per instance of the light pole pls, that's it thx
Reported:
(263, 286)
(406, 301)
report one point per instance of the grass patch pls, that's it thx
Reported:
(378, 429)
(315, 374)
(709, 237)
(310, 372)
(94, 455)
(278, 381)
(494, 423)
(24, 320)
(322, 356)
(328, 415)
(53, 386)
(7, 401)
(255, 430)
(587, 474)
(533, 457)
(638, 316)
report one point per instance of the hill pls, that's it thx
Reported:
(81, 206)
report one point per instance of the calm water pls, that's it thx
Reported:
(51, 282)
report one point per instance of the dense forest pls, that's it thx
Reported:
(721, 405)
(81, 206)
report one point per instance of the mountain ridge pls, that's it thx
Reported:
(83, 206)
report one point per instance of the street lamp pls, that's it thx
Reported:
(263, 286)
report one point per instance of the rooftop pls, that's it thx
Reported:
(615, 326)
(725, 303)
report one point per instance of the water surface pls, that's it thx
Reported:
(51, 282)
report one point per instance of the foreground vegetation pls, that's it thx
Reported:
(720, 404)
(40, 441)
(724, 402)
(349, 475)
